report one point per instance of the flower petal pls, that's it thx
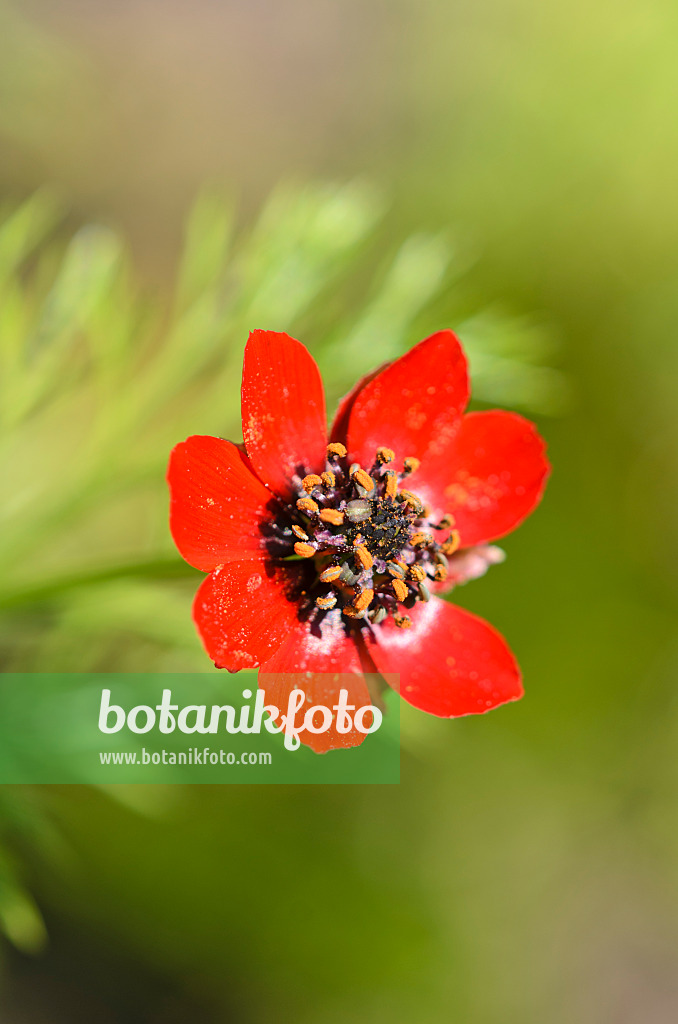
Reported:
(450, 662)
(243, 612)
(414, 405)
(283, 410)
(492, 476)
(339, 429)
(321, 663)
(216, 502)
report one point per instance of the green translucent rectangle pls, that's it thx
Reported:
(49, 733)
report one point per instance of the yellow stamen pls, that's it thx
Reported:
(385, 455)
(311, 481)
(402, 621)
(410, 464)
(363, 600)
(417, 573)
(413, 501)
(333, 572)
(351, 612)
(452, 543)
(420, 539)
(307, 505)
(391, 484)
(400, 589)
(304, 550)
(447, 521)
(364, 557)
(328, 478)
(298, 532)
(333, 516)
(440, 573)
(336, 448)
(364, 479)
(326, 602)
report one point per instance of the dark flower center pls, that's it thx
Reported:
(385, 531)
(365, 544)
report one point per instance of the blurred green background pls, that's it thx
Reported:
(358, 173)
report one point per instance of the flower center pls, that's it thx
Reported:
(367, 544)
(385, 530)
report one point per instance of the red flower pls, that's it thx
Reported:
(325, 558)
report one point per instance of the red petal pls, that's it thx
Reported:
(216, 502)
(450, 662)
(492, 476)
(243, 614)
(339, 428)
(413, 406)
(283, 410)
(320, 665)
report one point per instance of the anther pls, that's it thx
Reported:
(311, 481)
(378, 615)
(417, 573)
(396, 569)
(413, 501)
(385, 455)
(359, 476)
(352, 613)
(333, 572)
(451, 544)
(333, 516)
(421, 539)
(410, 465)
(298, 532)
(307, 505)
(363, 600)
(400, 589)
(424, 592)
(440, 573)
(326, 602)
(304, 550)
(391, 483)
(364, 557)
(336, 450)
(402, 621)
(447, 521)
(328, 478)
